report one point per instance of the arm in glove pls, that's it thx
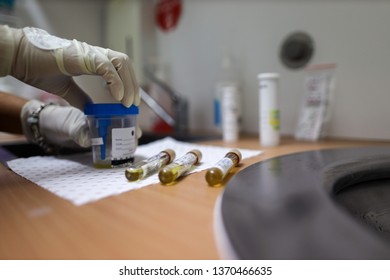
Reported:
(61, 126)
(48, 62)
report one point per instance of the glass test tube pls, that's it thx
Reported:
(174, 170)
(149, 166)
(216, 174)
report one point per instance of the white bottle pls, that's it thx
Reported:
(230, 114)
(227, 100)
(269, 125)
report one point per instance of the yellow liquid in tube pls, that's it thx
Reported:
(149, 166)
(216, 174)
(177, 168)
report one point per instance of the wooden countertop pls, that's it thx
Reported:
(155, 222)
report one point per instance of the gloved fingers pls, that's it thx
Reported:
(64, 126)
(81, 58)
(126, 72)
(106, 69)
(138, 132)
(76, 126)
(114, 83)
(82, 136)
(137, 98)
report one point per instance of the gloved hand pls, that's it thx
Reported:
(62, 126)
(48, 62)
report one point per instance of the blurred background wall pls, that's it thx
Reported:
(354, 34)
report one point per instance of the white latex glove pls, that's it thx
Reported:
(62, 126)
(48, 62)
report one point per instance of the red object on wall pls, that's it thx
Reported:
(167, 14)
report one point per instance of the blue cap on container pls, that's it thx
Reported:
(103, 112)
(109, 109)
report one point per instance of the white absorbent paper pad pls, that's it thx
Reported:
(74, 178)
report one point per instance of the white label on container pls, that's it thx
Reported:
(185, 162)
(123, 143)
(224, 165)
(97, 141)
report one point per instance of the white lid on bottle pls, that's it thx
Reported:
(268, 76)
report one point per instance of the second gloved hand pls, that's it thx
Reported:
(61, 126)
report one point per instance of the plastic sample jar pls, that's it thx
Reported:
(113, 133)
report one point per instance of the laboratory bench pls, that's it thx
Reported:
(154, 222)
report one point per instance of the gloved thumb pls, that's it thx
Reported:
(65, 126)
